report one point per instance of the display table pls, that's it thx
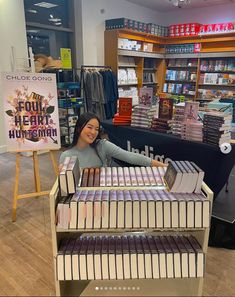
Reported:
(217, 166)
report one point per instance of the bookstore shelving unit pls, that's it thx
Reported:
(131, 287)
(71, 105)
(219, 46)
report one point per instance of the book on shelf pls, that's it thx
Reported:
(129, 257)
(69, 176)
(121, 176)
(134, 208)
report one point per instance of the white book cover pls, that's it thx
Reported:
(114, 176)
(119, 258)
(166, 209)
(90, 266)
(82, 267)
(158, 208)
(174, 210)
(151, 209)
(105, 209)
(90, 209)
(73, 174)
(143, 209)
(182, 210)
(158, 179)
(74, 210)
(97, 258)
(133, 176)
(151, 176)
(136, 209)
(104, 257)
(112, 258)
(121, 179)
(145, 176)
(120, 209)
(75, 267)
(102, 177)
(82, 209)
(113, 209)
(108, 176)
(127, 177)
(128, 209)
(97, 209)
(139, 176)
(201, 175)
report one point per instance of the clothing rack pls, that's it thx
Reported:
(87, 67)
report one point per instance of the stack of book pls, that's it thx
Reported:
(119, 120)
(177, 120)
(69, 176)
(217, 128)
(160, 125)
(123, 117)
(184, 177)
(192, 130)
(132, 209)
(129, 257)
(142, 116)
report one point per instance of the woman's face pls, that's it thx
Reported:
(90, 132)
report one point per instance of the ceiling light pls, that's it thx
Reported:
(45, 4)
(32, 31)
(54, 20)
(179, 3)
(32, 10)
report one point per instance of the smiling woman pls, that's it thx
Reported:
(92, 151)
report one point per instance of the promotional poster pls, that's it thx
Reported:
(31, 111)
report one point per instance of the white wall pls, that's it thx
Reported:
(94, 24)
(12, 33)
(205, 15)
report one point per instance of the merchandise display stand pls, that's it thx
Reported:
(129, 287)
(38, 192)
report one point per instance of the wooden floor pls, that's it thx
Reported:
(25, 246)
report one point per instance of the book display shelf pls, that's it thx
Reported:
(117, 278)
(71, 105)
(176, 73)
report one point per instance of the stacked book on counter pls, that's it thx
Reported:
(142, 116)
(217, 128)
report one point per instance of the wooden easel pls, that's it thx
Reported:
(38, 191)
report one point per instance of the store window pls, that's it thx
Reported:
(49, 26)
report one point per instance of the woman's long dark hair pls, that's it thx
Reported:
(80, 124)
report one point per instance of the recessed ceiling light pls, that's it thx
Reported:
(54, 20)
(32, 31)
(45, 4)
(32, 10)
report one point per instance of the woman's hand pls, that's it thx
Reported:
(156, 163)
